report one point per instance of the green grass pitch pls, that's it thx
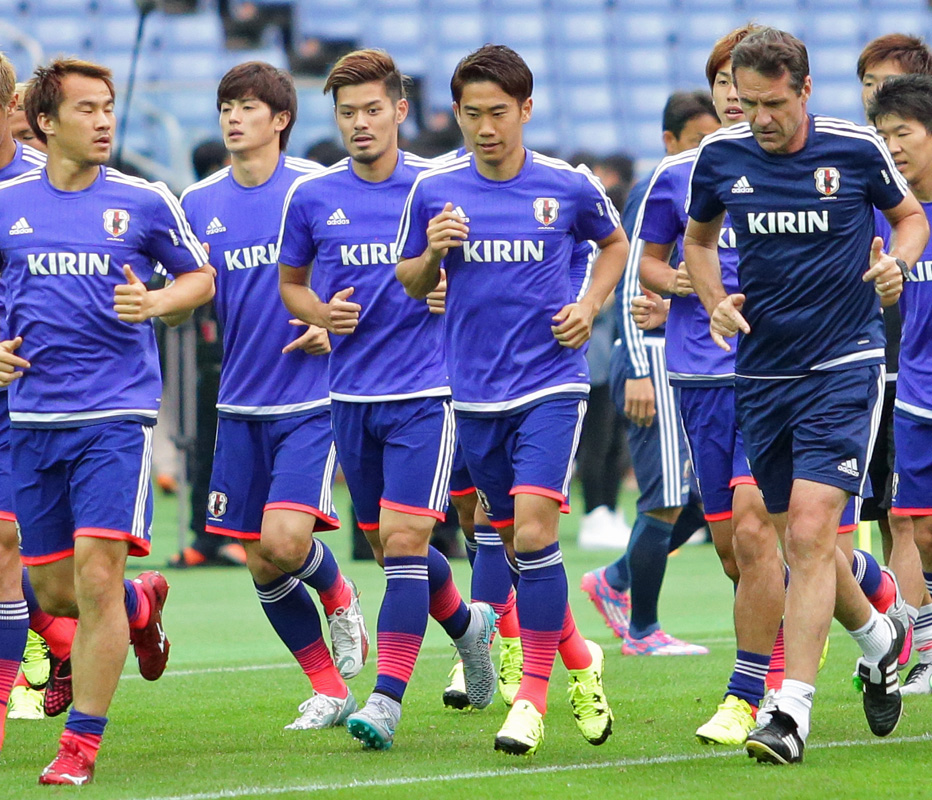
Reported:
(211, 728)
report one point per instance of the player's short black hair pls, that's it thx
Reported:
(682, 107)
(498, 64)
(271, 85)
(772, 53)
(905, 96)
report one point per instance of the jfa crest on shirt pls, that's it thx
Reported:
(116, 221)
(827, 180)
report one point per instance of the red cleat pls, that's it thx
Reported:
(150, 643)
(69, 768)
(58, 691)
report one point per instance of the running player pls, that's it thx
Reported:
(392, 420)
(274, 459)
(504, 221)
(799, 191)
(81, 484)
(19, 125)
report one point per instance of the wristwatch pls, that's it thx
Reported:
(904, 268)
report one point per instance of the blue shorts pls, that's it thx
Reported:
(267, 464)
(716, 446)
(527, 452)
(6, 462)
(851, 516)
(396, 455)
(461, 482)
(912, 473)
(91, 481)
(820, 428)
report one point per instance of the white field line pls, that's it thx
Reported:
(268, 791)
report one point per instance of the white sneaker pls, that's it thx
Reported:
(349, 637)
(321, 711)
(599, 531)
(375, 723)
(473, 646)
(622, 528)
(919, 680)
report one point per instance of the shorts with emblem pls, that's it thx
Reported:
(6, 462)
(819, 427)
(912, 475)
(529, 451)
(89, 481)
(267, 464)
(461, 482)
(396, 455)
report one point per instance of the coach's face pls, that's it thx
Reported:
(491, 121)
(775, 110)
(368, 120)
(82, 130)
(910, 145)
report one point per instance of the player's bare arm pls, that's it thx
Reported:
(649, 310)
(656, 273)
(133, 302)
(700, 246)
(339, 316)
(574, 321)
(910, 234)
(11, 365)
(420, 275)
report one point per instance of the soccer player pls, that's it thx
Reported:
(19, 125)
(392, 421)
(626, 592)
(799, 191)
(901, 110)
(80, 239)
(504, 221)
(274, 459)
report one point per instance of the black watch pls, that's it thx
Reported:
(904, 268)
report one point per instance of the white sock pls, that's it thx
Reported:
(795, 699)
(922, 634)
(874, 637)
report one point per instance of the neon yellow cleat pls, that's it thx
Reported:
(587, 697)
(25, 703)
(510, 668)
(454, 696)
(523, 730)
(730, 724)
(824, 657)
(36, 664)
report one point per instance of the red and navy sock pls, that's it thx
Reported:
(85, 731)
(879, 587)
(58, 632)
(137, 604)
(14, 623)
(321, 572)
(777, 669)
(542, 596)
(402, 622)
(491, 577)
(446, 602)
(573, 649)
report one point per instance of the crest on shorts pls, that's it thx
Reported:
(484, 501)
(116, 221)
(216, 504)
(827, 180)
(546, 210)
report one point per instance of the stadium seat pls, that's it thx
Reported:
(333, 19)
(595, 99)
(537, 6)
(187, 67)
(458, 29)
(395, 30)
(69, 35)
(573, 28)
(583, 63)
(183, 32)
(827, 25)
(518, 29)
(881, 21)
(645, 102)
(703, 28)
(828, 62)
(115, 34)
(395, 6)
(59, 7)
(598, 136)
(839, 98)
(11, 9)
(650, 63)
(640, 29)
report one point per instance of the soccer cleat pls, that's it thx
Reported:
(660, 643)
(58, 692)
(473, 646)
(24, 703)
(36, 667)
(614, 606)
(322, 711)
(150, 643)
(883, 704)
(374, 724)
(510, 668)
(918, 681)
(777, 742)
(730, 724)
(523, 730)
(69, 768)
(824, 657)
(454, 696)
(348, 636)
(587, 697)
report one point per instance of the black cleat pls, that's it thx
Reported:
(883, 704)
(777, 742)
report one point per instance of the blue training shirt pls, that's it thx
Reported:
(63, 255)
(804, 223)
(241, 225)
(510, 276)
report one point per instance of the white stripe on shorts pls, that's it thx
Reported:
(142, 488)
(440, 488)
(568, 476)
(325, 502)
(875, 426)
(669, 428)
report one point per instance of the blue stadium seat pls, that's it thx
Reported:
(120, 64)
(828, 62)
(646, 101)
(115, 34)
(11, 9)
(583, 63)
(881, 21)
(185, 67)
(59, 7)
(119, 7)
(519, 29)
(395, 30)
(785, 18)
(689, 65)
(183, 32)
(410, 6)
(273, 54)
(826, 25)
(333, 19)
(316, 109)
(640, 29)
(589, 100)
(458, 29)
(598, 136)
(496, 6)
(840, 98)
(644, 138)
(69, 35)
(572, 27)
(899, 5)
(650, 63)
(696, 27)
(442, 6)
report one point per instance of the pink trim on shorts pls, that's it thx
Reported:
(721, 516)
(501, 523)
(35, 561)
(541, 491)
(911, 512)
(367, 526)
(251, 536)
(7, 516)
(137, 547)
(415, 510)
(463, 492)
(323, 523)
(843, 529)
(742, 480)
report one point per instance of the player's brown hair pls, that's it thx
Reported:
(366, 66)
(268, 84)
(721, 51)
(498, 64)
(7, 80)
(45, 93)
(773, 53)
(910, 52)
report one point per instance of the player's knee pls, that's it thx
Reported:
(405, 540)
(53, 598)
(808, 542)
(286, 547)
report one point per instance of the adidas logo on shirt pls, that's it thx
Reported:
(742, 186)
(460, 213)
(850, 467)
(338, 218)
(215, 226)
(20, 226)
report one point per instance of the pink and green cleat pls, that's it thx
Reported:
(614, 606)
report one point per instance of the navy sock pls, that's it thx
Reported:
(491, 577)
(867, 572)
(446, 603)
(647, 563)
(747, 680)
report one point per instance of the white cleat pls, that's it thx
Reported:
(321, 711)
(349, 637)
(919, 680)
(473, 646)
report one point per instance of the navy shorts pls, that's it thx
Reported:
(716, 446)
(266, 464)
(91, 481)
(397, 455)
(912, 474)
(6, 462)
(820, 428)
(461, 482)
(530, 451)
